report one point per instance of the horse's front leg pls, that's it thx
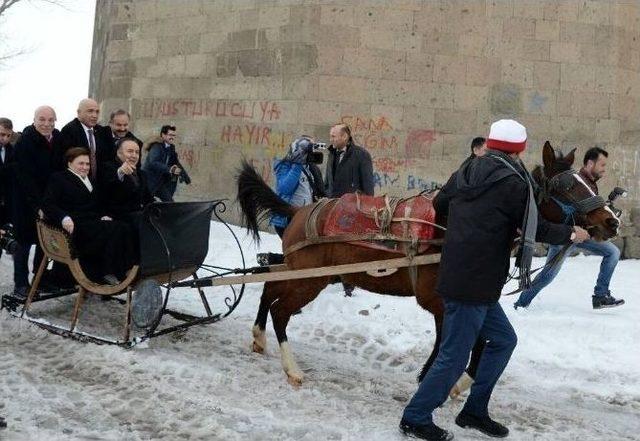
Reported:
(290, 297)
(259, 344)
(280, 314)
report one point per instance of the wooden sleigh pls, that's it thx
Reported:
(174, 240)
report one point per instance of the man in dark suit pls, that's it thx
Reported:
(123, 186)
(6, 172)
(349, 167)
(163, 167)
(37, 157)
(119, 121)
(84, 131)
(7, 159)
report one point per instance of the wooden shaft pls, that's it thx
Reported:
(350, 268)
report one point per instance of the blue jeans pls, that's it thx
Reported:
(462, 325)
(610, 256)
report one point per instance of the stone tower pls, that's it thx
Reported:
(415, 79)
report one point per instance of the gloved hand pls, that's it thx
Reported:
(300, 149)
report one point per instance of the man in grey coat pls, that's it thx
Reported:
(349, 169)
(349, 166)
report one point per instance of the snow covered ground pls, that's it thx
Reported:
(574, 375)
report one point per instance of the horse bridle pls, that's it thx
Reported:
(572, 207)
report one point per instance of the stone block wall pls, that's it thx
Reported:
(415, 79)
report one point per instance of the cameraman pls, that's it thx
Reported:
(298, 178)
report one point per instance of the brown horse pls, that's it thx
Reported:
(284, 298)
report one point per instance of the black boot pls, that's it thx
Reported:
(430, 432)
(484, 424)
(606, 301)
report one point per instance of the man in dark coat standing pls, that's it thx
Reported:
(84, 131)
(486, 208)
(37, 157)
(163, 166)
(349, 169)
(118, 128)
(349, 166)
(7, 159)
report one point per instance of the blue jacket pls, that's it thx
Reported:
(287, 180)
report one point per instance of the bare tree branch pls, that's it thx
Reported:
(6, 4)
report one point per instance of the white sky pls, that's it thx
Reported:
(55, 68)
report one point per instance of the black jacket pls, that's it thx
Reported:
(157, 163)
(66, 195)
(36, 160)
(7, 170)
(486, 203)
(118, 197)
(73, 135)
(106, 133)
(353, 173)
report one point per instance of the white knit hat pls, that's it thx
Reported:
(507, 135)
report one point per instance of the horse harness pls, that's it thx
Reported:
(572, 207)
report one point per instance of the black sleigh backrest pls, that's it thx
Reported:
(174, 236)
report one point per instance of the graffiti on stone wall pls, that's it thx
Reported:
(376, 132)
(418, 143)
(259, 111)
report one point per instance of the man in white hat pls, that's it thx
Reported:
(486, 202)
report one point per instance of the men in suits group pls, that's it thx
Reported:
(40, 152)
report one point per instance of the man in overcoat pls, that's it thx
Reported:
(486, 206)
(38, 155)
(349, 166)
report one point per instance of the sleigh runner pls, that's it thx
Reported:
(174, 240)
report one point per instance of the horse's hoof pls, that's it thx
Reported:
(294, 380)
(255, 347)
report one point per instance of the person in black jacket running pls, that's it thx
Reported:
(486, 202)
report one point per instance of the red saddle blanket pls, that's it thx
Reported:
(395, 222)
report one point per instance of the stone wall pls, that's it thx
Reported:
(416, 80)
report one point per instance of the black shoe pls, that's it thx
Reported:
(430, 432)
(20, 292)
(3, 423)
(606, 301)
(484, 424)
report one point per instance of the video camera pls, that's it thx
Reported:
(315, 156)
(615, 194)
(8, 240)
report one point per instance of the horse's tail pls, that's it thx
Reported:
(257, 201)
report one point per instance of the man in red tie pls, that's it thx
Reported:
(37, 157)
(84, 131)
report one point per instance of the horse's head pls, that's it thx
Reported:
(566, 197)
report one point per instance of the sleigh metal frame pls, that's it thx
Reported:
(57, 246)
